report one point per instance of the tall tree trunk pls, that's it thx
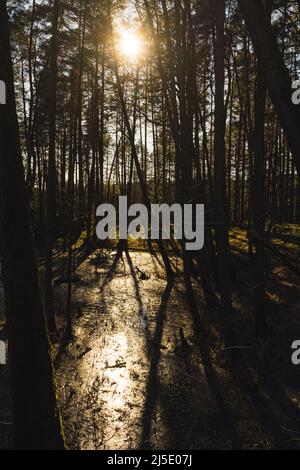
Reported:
(35, 414)
(221, 230)
(258, 199)
(51, 176)
(275, 73)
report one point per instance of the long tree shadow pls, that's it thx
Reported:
(67, 339)
(277, 392)
(187, 409)
(152, 382)
(227, 419)
(270, 419)
(154, 346)
(273, 409)
(137, 291)
(266, 388)
(112, 270)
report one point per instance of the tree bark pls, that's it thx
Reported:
(35, 413)
(276, 74)
(51, 177)
(221, 229)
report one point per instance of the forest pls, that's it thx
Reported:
(126, 342)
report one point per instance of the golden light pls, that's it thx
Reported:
(130, 45)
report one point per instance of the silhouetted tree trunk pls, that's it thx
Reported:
(51, 176)
(275, 73)
(259, 201)
(36, 422)
(221, 229)
(259, 196)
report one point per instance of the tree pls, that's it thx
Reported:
(36, 420)
(221, 228)
(51, 176)
(276, 74)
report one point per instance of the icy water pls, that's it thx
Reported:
(126, 381)
(137, 376)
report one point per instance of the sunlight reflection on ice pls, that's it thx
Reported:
(116, 374)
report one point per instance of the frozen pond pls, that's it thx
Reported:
(126, 382)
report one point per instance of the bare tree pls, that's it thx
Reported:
(35, 414)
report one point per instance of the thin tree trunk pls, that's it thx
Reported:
(51, 176)
(221, 230)
(259, 201)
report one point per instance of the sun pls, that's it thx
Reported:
(130, 45)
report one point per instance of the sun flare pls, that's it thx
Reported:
(130, 45)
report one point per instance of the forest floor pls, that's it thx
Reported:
(126, 381)
(136, 375)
